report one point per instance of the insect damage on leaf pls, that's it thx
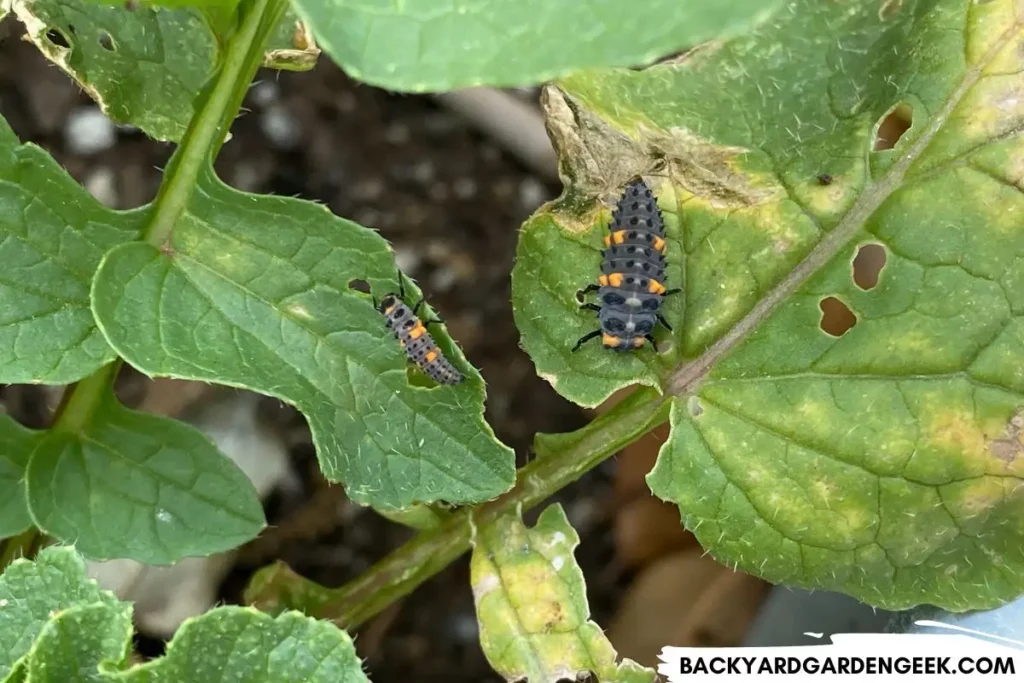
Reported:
(1011, 444)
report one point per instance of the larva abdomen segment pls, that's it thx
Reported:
(417, 343)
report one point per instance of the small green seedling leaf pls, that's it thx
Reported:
(256, 648)
(257, 292)
(83, 643)
(16, 444)
(881, 459)
(531, 604)
(139, 486)
(52, 236)
(56, 625)
(32, 593)
(422, 46)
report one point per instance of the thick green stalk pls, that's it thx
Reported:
(561, 460)
(216, 109)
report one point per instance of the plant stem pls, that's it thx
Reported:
(80, 402)
(216, 109)
(561, 460)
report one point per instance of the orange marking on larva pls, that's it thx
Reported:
(603, 280)
(431, 355)
(660, 245)
(638, 342)
(656, 287)
(607, 240)
(619, 236)
(417, 332)
(610, 340)
(387, 311)
(615, 279)
(402, 342)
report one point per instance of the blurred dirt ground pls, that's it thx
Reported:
(450, 201)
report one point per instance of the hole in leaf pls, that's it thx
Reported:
(107, 42)
(867, 265)
(56, 37)
(359, 286)
(892, 127)
(836, 317)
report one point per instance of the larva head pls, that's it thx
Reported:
(387, 303)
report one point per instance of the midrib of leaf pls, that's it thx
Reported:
(690, 376)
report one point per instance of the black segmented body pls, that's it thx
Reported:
(632, 272)
(419, 346)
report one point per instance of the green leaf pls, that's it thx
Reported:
(52, 236)
(65, 628)
(32, 593)
(256, 648)
(16, 444)
(146, 65)
(143, 66)
(882, 462)
(254, 291)
(532, 606)
(423, 45)
(82, 643)
(139, 486)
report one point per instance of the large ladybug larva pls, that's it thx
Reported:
(632, 273)
(412, 334)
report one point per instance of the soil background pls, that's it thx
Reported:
(451, 202)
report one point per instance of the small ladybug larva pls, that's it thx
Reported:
(412, 334)
(632, 274)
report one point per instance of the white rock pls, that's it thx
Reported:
(88, 131)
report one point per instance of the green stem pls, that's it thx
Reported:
(216, 109)
(562, 460)
(80, 402)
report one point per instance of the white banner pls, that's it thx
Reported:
(962, 654)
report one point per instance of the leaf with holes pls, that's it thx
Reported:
(859, 432)
(145, 65)
(257, 292)
(160, 487)
(426, 46)
(532, 607)
(31, 593)
(52, 236)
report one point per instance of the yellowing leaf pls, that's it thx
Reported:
(532, 606)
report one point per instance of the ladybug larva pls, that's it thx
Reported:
(632, 281)
(412, 334)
